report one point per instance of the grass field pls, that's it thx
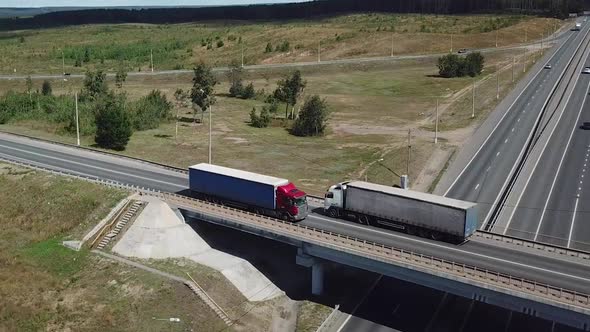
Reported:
(45, 286)
(181, 45)
(372, 107)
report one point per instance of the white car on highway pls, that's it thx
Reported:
(586, 70)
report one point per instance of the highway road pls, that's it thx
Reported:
(553, 206)
(485, 175)
(560, 271)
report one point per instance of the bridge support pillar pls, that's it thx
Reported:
(317, 270)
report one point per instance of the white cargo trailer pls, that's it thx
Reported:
(419, 213)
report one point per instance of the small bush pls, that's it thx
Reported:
(262, 120)
(249, 92)
(151, 110)
(452, 65)
(220, 44)
(268, 48)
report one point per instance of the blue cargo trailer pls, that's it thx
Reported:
(235, 185)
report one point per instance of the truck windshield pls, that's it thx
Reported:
(300, 201)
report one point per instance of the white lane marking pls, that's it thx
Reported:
(345, 322)
(512, 129)
(91, 166)
(569, 239)
(498, 153)
(537, 163)
(464, 252)
(508, 111)
(518, 120)
(561, 163)
(505, 141)
(477, 186)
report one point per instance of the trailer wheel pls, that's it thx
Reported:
(333, 213)
(364, 220)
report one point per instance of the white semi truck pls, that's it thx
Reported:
(426, 215)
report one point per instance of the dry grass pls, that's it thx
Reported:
(341, 37)
(372, 108)
(45, 286)
(311, 316)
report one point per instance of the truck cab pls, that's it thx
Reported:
(292, 202)
(334, 199)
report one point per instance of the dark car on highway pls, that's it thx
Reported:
(585, 126)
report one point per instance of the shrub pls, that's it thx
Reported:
(260, 121)
(312, 119)
(249, 92)
(151, 110)
(452, 65)
(113, 126)
(268, 48)
(220, 43)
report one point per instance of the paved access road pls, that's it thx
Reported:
(558, 271)
(484, 176)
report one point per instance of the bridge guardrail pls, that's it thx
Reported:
(353, 245)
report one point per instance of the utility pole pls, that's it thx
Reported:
(77, 121)
(526, 34)
(513, 64)
(152, 59)
(436, 124)
(524, 60)
(451, 43)
(392, 44)
(63, 62)
(409, 151)
(242, 55)
(496, 38)
(319, 51)
(210, 136)
(498, 83)
(473, 102)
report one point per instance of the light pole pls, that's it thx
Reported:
(210, 136)
(513, 65)
(242, 55)
(496, 38)
(524, 60)
(319, 51)
(392, 44)
(152, 59)
(451, 43)
(63, 62)
(498, 83)
(473, 101)
(436, 124)
(77, 121)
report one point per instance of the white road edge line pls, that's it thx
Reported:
(543, 152)
(90, 166)
(569, 239)
(502, 118)
(467, 253)
(344, 324)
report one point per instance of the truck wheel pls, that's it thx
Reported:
(333, 213)
(364, 220)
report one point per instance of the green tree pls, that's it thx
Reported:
(113, 126)
(95, 85)
(312, 119)
(474, 63)
(203, 87)
(449, 65)
(46, 89)
(248, 92)
(120, 77)
(262, 120)
(289, 90)
(235, 79)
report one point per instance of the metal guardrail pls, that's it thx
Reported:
(353, 245)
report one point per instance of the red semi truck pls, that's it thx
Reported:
(257, 193)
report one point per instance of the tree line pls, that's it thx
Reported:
(557, 8)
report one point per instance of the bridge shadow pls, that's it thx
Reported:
(376, 302)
